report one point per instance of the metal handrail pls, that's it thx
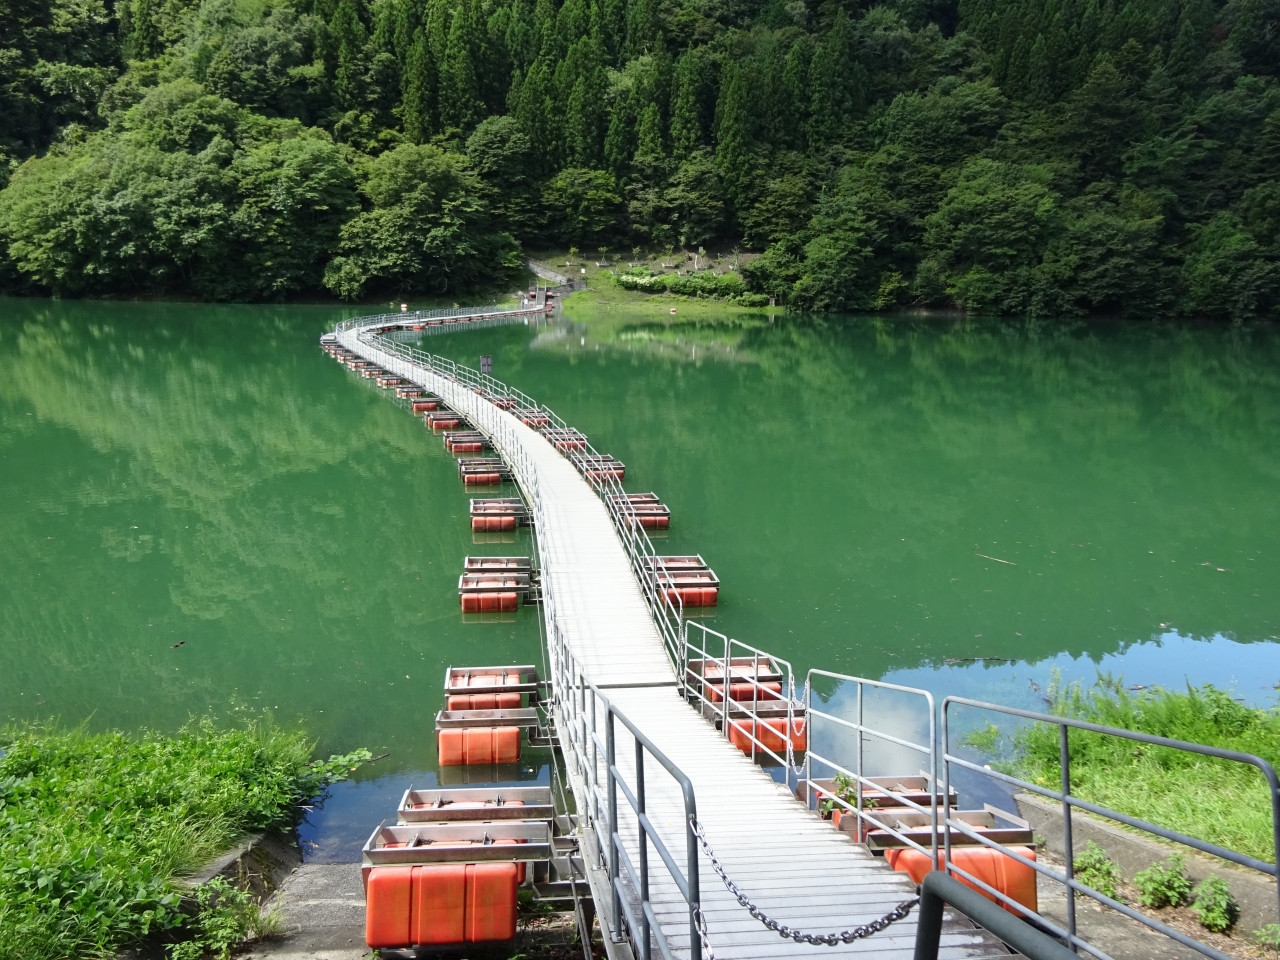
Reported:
(1065, 797)
(570, 688)
(938, 889)
(586, 747)
(863, 729)
(731, 650)
(583, 709)
(648, 567)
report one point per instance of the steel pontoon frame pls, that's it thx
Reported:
(570, 687)
(674, 629)
(665, 606)
(857, 775)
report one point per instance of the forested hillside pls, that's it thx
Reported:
(1039, 156)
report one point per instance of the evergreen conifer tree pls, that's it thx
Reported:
(733, 128)
(417, 111)
(838, 82)
(144, 41)
(405, 30)
(573, 21)
(642, 27)
(689, 109)
(1040, 73)
(1192, 42)
(348, 39)
(438, 19)
(460, 104)
(544, 25)
(795, 89)
(521, 38)
(619, 141)
(613, 21)
(650, 148)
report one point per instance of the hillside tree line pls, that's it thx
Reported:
(1019, 156)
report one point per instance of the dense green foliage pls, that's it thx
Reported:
(93, 828)
(702, 284)
(1042, 156)
(1221, 801)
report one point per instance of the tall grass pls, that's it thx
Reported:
(95, 827)
(1224, 802)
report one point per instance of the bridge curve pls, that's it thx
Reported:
(616, 645)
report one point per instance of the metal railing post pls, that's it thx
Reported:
(939, 889)
(694, 884)
(1068, 849)
(646, 935)
(615, 841)
(862, 829)
(933, 782)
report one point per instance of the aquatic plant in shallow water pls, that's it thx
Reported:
(95, 827)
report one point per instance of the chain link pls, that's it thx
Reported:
(787, 933)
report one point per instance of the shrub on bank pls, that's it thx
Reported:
(704, 285)
(95, 827)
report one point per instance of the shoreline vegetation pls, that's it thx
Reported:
(1220, 801)
(1047, 158)
(95, 828)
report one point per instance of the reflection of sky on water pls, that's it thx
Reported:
(1249, 671)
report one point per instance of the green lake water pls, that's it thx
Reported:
(878, 496)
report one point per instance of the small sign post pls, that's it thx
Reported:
(486, 364)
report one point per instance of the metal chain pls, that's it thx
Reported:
(788, 933)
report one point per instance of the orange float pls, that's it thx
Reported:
(772, 733)
(694, 596)
(493, 524)
(504, 602)
(440, 904)
(1015, 880)
(469, 746)
(483, 701)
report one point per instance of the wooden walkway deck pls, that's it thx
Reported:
(794, 866)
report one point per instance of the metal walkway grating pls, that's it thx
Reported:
(795, 866)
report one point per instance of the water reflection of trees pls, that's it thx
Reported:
(206, 475)
(881, 450)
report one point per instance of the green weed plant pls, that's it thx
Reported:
(94, 828)
(1095, 869)
(1213, 904)
(1220, 801)
(225, 917)
(1163, 884)
(1268, 937)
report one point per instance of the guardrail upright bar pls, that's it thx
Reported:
(615, 841)
(569, 685)
(1063, 795)
(1068, 848)
(646, 936)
